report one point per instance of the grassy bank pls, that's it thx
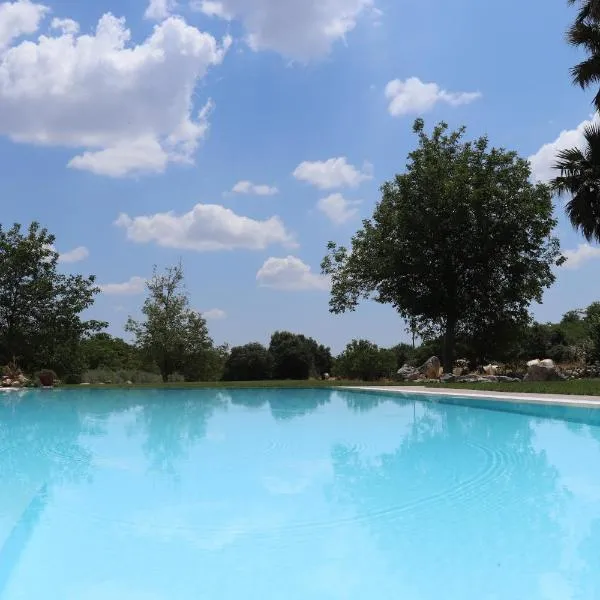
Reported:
(584, 387)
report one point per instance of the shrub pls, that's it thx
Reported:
(47, 377)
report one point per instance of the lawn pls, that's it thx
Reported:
(584, 387)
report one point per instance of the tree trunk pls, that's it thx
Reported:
(449, 341)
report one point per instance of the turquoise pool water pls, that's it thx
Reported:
(293, 495)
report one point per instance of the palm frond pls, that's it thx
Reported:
(586, 72)
(586, 35)
(569, 158)
(583, 211)
(590, 9)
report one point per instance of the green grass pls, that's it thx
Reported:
(584, 387)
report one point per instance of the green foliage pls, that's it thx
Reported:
(365, 361)
(40, 309)
(404, 354)
(121, 376)
(252, 362)
(458, 243)
(172, 334)
(594, 329)
(103, 351)
(206, 365)
(295, 356)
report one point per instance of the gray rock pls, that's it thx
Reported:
(541, 370)
(432, 368)
(406, 373)
(448, 378)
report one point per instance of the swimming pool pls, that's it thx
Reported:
(293, 494)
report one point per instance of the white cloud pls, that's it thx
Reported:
(65, 25)
(19, 18)
(338, 209)
(144, 155)
(582, 254)
(211, 8)
(299, 29)
(158, 10)
(205, 228)
(543, 160)
(135, 285)
(290, 273)
(332, 173)
(215, 314)
(247, 187)
(414, 96)
(129, 107)
(75, 255)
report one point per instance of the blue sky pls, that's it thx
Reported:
(126, 127)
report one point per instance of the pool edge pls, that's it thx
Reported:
(522, 397)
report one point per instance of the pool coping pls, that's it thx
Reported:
(575, 401)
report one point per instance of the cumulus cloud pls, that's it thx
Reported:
(206, 228)
(215, 314)
(19, 18)
(290, 273)
(158, 10)
(332, 173)
(414, 96)
(135, 285)
(337, 209)
(247, 187)
(299, 29)
(581, 255)
(128, 106)
(75, 255)
(543, 160)
(65, 25)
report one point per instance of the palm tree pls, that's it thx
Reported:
(580, 177)
(585, 33)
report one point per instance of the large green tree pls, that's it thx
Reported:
(462, 239)
(296, 356)
(171, 333)
(40, 309)
(103, 351)
(251, 362)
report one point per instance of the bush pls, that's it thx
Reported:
(72, 379)
(47, 377)
(251, 362)
(365, 361)
(121, 376)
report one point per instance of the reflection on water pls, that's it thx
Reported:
(294, 494)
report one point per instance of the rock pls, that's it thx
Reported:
(469, 379)
(541, 370)
(448, 378)
(85, 383)
(325, 376)
(490, 369)
(432, 369)
(131, 382)
(406, 372)
(506, 379)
